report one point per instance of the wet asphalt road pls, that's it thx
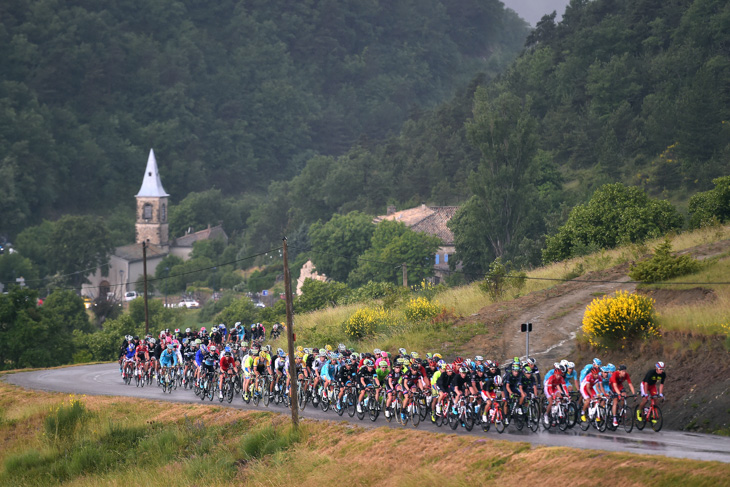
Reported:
(104, 379)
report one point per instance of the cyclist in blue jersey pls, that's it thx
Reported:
(586, 370)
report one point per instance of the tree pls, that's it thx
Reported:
(79, 245)
(13, 266)
(712, 205)
(337, 243)
(496, 219)
(616, 214)
(242, 310)
(35, 244)
(394, 244)
(319, 294)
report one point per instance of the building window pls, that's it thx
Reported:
(147, 212)
(164, 212)
(446, 258)
(437, 259)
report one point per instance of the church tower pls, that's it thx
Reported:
(152, 225)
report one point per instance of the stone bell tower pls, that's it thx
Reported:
(152, 225)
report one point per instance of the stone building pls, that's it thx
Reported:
(126, 262)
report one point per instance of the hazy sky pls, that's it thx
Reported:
(533, 10)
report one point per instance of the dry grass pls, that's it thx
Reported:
(335, 450)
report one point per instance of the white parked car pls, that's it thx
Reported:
(188, 303)
(259, 304)
(131, 295)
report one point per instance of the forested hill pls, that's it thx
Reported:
(635, 91)
(231, 94)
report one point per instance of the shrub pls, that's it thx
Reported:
(421, 309)
(318, 294)
(500, 278)
(614, 320)
(61, 425)
(372, 290)
(364, 322)
(663, 265)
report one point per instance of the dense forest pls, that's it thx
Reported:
(231, 94)
(294, 112)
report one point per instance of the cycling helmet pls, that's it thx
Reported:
(203, 348)
(563, 369)
(268, 348)
(187, 330)
(222, 326)
(463, 370)
(595, 370)
(402, 351)
(564, 363)
(328, 348)
(414, 355)
(491, 364)
(479, 358)
(354, 356)
(377, 351)
(497, 380)
(571, 365)
(437, 356)
(604, 369)
(532, 361)
(480, 369)
(429, 355)
(167, 331)
(622, 367)
(203, 329)
(238, 323)
(227, 353)
(227, 349)
(315, 351)
(280, 352)
(348, 362)
(556, 365)
(341, 347)
(458, 361)
(398, 364)
(449, 368)
(659, 365)
(441, 364)
(198, 341)
(367, 363)
(153, 341)
(611, 368)
(516, 367)
(170, 346)
(415, 365)
(212, 348)
(136, 337)
(597, 362)
(262, 354)
(527, 369)
(300, 348)
(185, 341)
(322, 353)
(253, 326)
(431, 363)
(384, 354)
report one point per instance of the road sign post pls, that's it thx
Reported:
(526, 328)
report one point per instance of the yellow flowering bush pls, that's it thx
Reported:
(364, 322)
(616, 319)
(421, 309)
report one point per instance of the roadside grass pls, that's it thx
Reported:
(709, 318)
(121, 442)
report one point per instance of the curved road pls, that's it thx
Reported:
(104, 379)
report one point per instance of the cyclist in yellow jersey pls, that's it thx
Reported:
(248, 369)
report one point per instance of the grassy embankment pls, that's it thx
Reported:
(325, 326)
(113, 441)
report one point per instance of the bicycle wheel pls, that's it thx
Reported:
(639, 423)
(324, 403)
(301, 396)
(600, 421)
(414, 413)
(571, 414)
(137, 379)
(533, 417)
(374, 408)
(423, 408)
(453, 418)
(256, 392)
(360, 408)
(351, 406)
(518, 420)
(627, 419)
(562, 418)
(488, 423)
(230, 392)
(499, 421)
(584, 425)
(469, 418)
(657, 420)
(266, 393)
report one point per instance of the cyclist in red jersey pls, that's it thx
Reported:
(617, 386)
(555, 387)
(588, 389)
(228, 366)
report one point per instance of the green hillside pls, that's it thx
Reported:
(231, 94)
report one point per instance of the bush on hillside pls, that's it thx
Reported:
(364, 322)
(663, 265)
(711, 206)
(616, 320)
(318, 294)
(502, 278)
(419, 310)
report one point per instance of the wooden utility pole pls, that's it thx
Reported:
(290, 341)
(405, 274)
(144, 273)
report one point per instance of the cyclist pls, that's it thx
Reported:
(367, 377)
(554, 388)
(461, 383)
(589, 387)
(142, 357)
(261, 362)
(168, 358)
(281, 367)
(392, 386)
(596, 363)
(527, 385)
(411, 380)
(345, 375)
(490, 389)
(649, 386)
(228, 367)
(617, 387)
(511, 381)
(248, 369)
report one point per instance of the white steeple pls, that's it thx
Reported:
(151, 184)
